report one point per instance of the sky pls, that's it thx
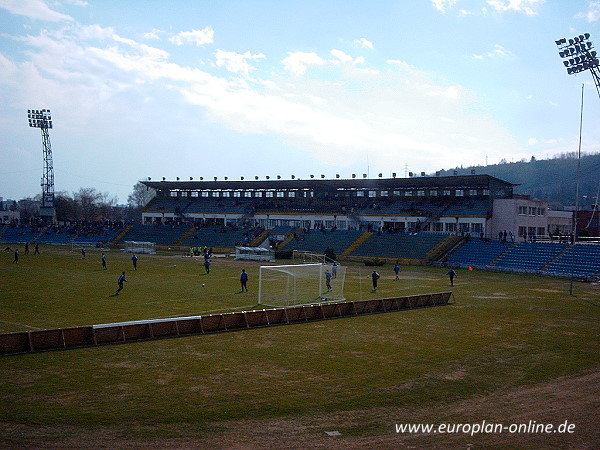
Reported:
(150, 89)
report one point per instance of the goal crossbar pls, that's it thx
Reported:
(296, 284)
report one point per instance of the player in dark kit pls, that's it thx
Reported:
(244, 280)
(134, 260)
(120, 282)
(451, 273)
(375, 277)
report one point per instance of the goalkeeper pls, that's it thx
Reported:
(328, 280)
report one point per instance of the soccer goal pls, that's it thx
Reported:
(140, 247)
(254, 254)
(299, 284)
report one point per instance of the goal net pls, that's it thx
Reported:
(299, 284)
(140, 247)
(254, 254)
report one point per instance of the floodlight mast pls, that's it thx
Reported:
(41, 118)
(579, 55)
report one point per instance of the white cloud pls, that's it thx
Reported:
(236, 62)
(333, 120)
(498, 52)
(529, 7)
(364, 43)
(146, 50)
(532, 141)
(154, 34)
(34, 9)
(592, 14)
(196, 37)
(297, 63)
(396, 116)
(399, 64)
(346, 59)
(443, 5)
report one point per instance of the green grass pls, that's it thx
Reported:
(503, 332)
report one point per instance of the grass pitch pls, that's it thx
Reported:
(511, 349)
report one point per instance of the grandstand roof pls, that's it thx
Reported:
(465, 181)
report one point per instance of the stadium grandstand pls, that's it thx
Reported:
(460, 221)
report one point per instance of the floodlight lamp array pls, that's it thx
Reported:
(578, 53)
(39, 118)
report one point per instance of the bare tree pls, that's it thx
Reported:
(139, 196)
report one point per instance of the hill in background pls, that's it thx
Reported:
(552, 180)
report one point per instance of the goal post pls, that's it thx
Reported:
(299, 284)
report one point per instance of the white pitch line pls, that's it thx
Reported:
(20, 324)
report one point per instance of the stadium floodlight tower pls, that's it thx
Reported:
(41, 118)
(579, 55)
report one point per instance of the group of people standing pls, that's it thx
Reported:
(16, 251)
(375, 276)
(122, 278)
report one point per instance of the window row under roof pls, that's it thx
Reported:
(306, 193)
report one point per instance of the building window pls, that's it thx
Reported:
(397, 193)
(215, 193)
(291, 194)
(204, 193)
(472, 191)
(269, 194)
(523, 231)
(384, 193)
(372, 193)
(460, 193)
(280, 194)
(541, 231)
(541, 212)
(408, 193)
(184, 194)
(438, 226)
(522, 210)
(258, 194)
(486, 192)
(451, 227)
(194, 193)
(433, 193)
(532, 211)
(173, 194)
(237, 194)
(360, 194)
(421, 193)
(248, 194)
(464, 227)
(446, 192)
(476, 228)
(226, 194)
